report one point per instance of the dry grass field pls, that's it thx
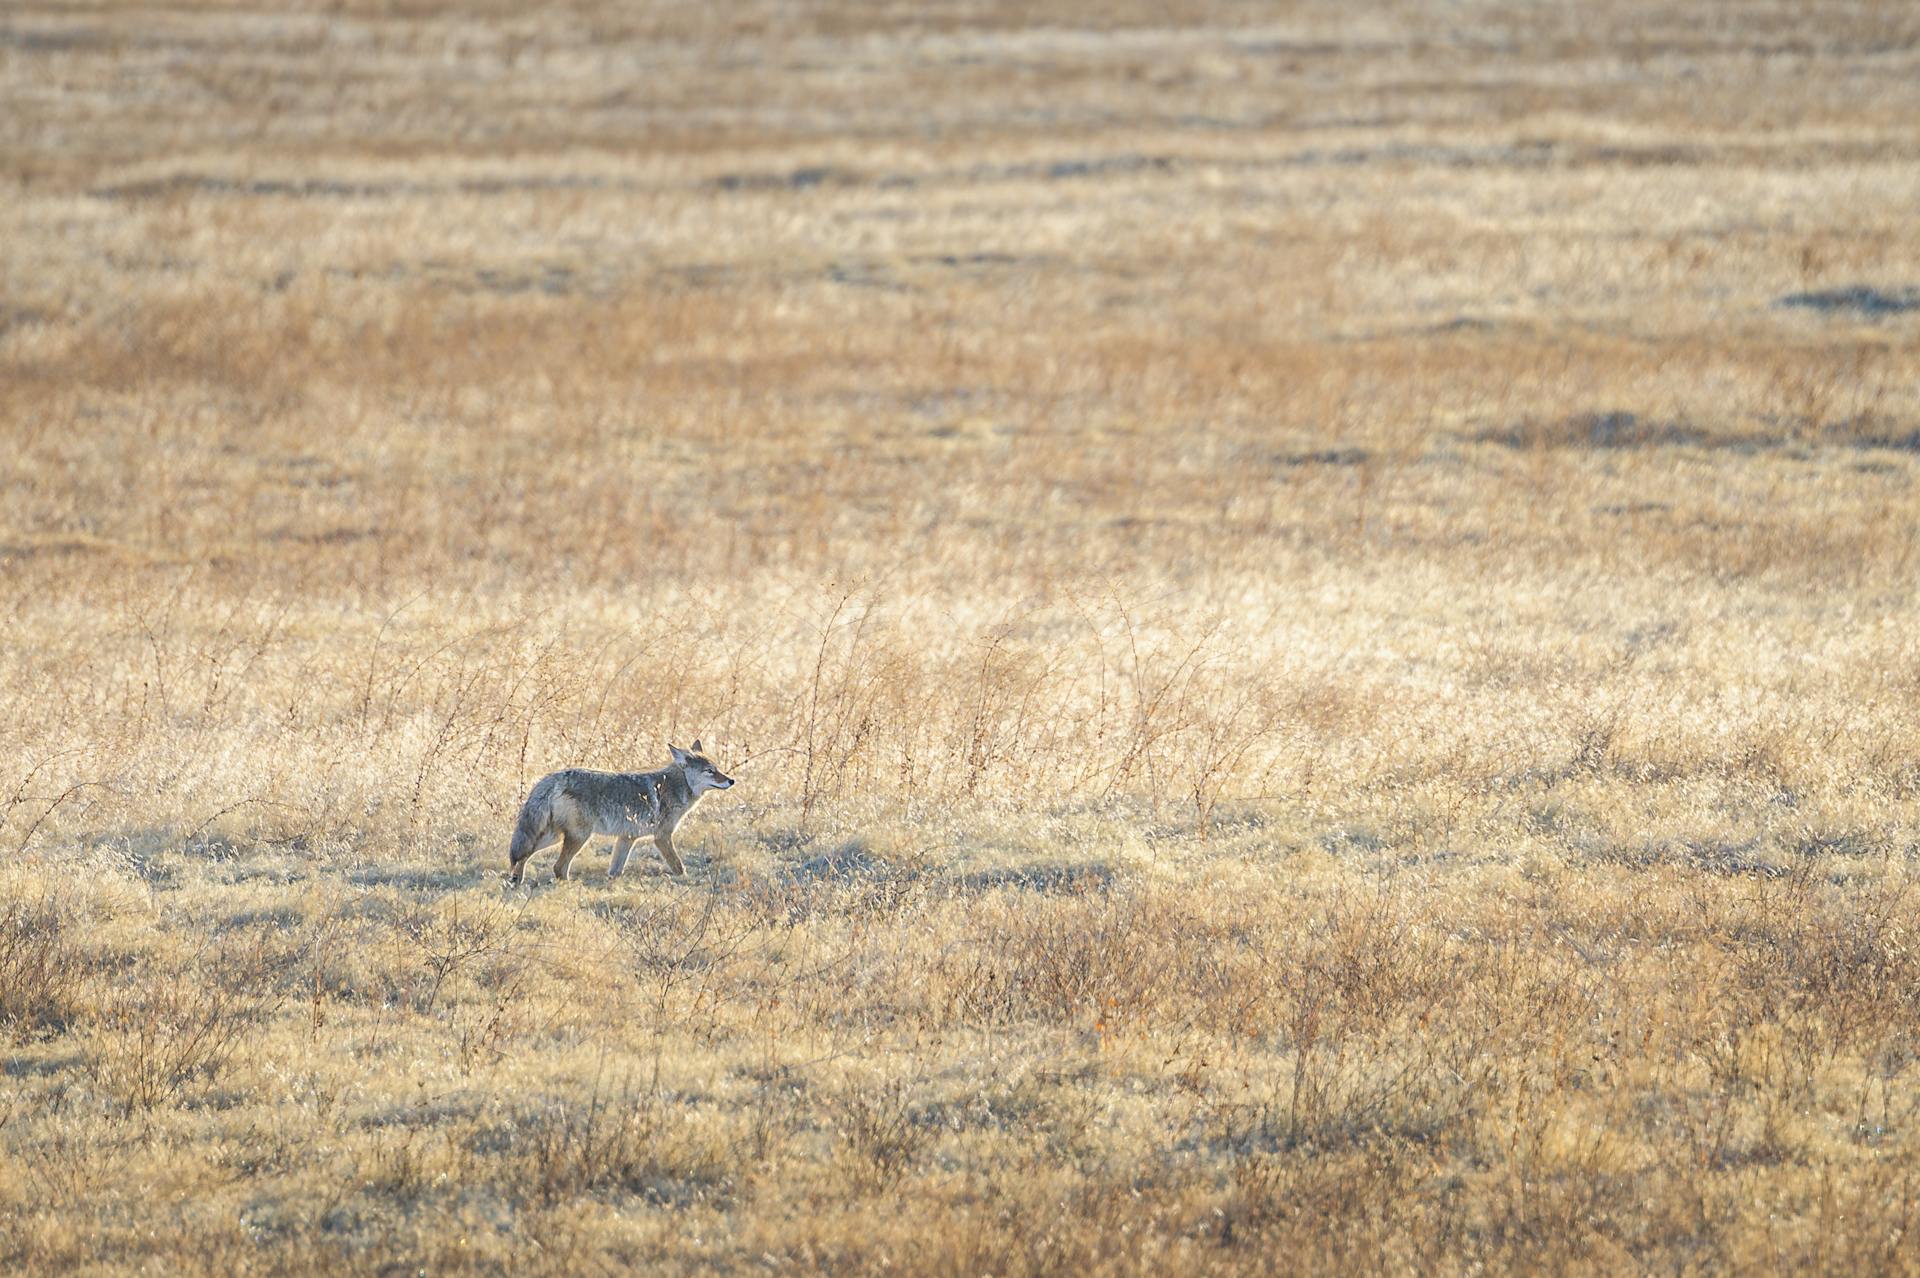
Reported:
(1314, 607)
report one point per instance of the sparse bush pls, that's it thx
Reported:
(625, 1142)
(175, 1025)
(882, 1129)
(43, 975)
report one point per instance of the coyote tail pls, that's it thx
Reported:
(534, 815)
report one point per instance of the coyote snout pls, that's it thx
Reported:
(576, 804)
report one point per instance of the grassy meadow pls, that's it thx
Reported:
(1313, 606)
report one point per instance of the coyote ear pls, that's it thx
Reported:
(696, 745)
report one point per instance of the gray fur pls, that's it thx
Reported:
(575, 804)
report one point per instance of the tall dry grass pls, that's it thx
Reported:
(1313, 609)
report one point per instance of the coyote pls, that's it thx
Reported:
(576, 804)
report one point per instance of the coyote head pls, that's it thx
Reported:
(701, 774)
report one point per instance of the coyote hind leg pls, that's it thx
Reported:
(621, 848)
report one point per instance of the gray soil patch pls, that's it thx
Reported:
(1610, 430)
(1859, 299)
(1323, 457)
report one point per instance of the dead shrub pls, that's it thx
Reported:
(43, 975)
(625, 1142)
(178, 1025)
(883, 1130)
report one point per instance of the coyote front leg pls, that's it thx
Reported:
(663, 839)
(570, 844)
(621, 846)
